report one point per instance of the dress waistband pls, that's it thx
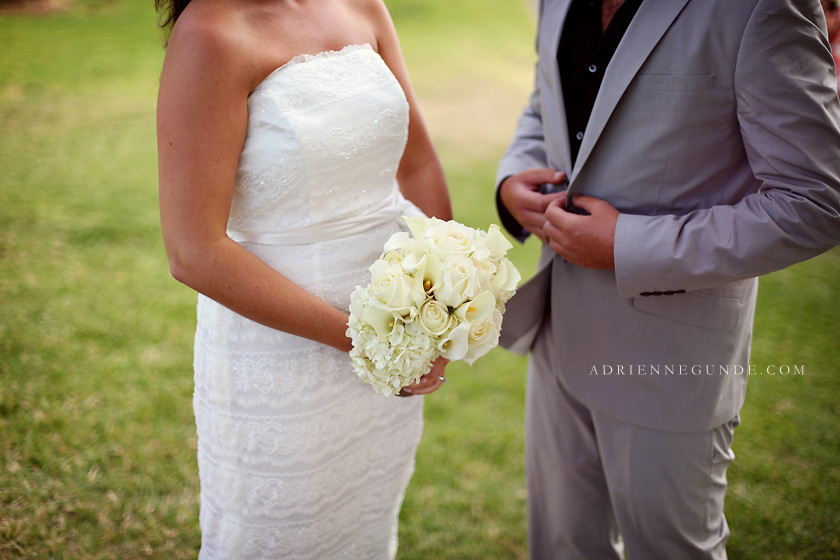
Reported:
(392, 207)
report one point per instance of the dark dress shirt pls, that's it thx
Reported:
(583, 56)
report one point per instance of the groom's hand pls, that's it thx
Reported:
(587, 241)
(521, 196)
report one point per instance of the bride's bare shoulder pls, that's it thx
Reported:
(373, 9)
(376, 15)
(212, 32)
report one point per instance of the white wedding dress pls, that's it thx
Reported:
(297, 457)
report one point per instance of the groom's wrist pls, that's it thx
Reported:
(508, 221)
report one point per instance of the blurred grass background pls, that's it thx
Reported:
(97, 442)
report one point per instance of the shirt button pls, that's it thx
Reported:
(579, 135)
(593, 68)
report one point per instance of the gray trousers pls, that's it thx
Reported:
(597, 485)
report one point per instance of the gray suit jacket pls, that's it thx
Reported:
(716, 134)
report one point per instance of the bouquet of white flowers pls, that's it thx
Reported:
(439, 291)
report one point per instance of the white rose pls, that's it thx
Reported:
(458, 280)
(483, 336)
(435, 318)
(481, 254)
(496, 241)
(451, 237)
(393, 289)
(486, 271)
(505, 280)
(393, 257)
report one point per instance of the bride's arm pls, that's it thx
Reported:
(420, 174)
(202, 118)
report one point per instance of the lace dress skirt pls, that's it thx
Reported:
(297, 457)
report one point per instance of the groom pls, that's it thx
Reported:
(700, 144)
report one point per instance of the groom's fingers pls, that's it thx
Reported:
(535, 219)
(538, 176)
(583, 240)
(535, 224)
(521, 195)
(557, 228)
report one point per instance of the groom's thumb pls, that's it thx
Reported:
(590, 204)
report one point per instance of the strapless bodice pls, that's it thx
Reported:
(324, 140)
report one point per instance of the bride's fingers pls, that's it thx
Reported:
(426, 384)
(429, 382)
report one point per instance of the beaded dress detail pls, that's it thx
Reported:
(297, 457)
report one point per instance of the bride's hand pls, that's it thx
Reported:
(430, 382)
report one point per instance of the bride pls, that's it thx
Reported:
(290, 145)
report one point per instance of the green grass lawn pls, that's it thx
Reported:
(97, 443)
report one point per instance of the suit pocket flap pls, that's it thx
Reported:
(694, 308)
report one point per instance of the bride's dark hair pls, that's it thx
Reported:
(169, 10)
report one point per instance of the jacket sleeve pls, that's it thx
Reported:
(526, 150)
(789, 119)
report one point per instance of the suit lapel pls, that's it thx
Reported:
(552, 26)
(648, 26)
